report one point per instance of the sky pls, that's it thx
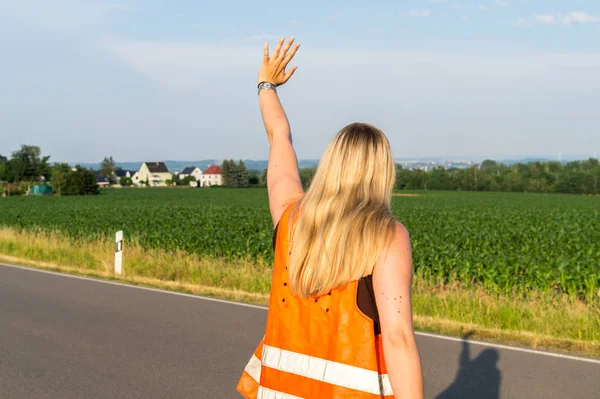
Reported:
(172, 79)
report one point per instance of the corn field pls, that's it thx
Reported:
(502, 241)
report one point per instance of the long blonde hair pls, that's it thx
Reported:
(344, 219)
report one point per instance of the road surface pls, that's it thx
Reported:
(65, 337)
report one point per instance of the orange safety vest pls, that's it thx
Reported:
(314, 348)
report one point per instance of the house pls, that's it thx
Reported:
(135, 178)
(101, 181)
(124, 173)
(155, 173)
(191, 171)
(211, 177)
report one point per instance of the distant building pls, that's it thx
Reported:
(101, 181)
(124, 173)
(211, 177)
(40, 189)
(192, 171)
(135, 178)
(155, 173)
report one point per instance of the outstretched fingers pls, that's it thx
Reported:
(291, 55)
(286, 49)
(266, 54)
(289, 74)
(278, 48)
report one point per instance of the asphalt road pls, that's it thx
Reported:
(64, 337)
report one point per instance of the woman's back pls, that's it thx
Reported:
(316, 347)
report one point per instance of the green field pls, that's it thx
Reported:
(505, 242)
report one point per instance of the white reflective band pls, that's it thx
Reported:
(265, 393)
(327, 371)
(253, 368)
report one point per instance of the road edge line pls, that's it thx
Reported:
(264, 308)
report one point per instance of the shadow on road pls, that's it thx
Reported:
(476, 378)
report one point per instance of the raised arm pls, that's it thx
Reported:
(392, 279)
(283, 177)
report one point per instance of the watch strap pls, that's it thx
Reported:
(266, 86)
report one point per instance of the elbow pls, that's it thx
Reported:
(399, 338)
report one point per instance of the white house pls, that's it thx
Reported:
(155, 173)
(211, 177)
(135, 178)
(192, 171)
(124, 173)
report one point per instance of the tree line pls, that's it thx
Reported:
(576, 177)
(26, 167)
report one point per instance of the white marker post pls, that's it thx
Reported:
(119, 253)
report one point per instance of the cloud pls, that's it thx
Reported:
(482, 7)
(522, 22)
(566, 19)
(189, 65)
(416, 13)
(501, 3)
(545, 19)
(60, 15)
(579, 17)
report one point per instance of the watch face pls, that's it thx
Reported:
(264, 86)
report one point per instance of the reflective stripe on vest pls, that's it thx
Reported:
(253, 368)
(327, 371)
(265, 393)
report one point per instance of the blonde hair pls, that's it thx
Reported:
(344, 219)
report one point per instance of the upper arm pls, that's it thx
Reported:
(392, 279)
(283, 177)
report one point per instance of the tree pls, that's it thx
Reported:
(242, 174)
(306, 176)
(233, 174)
(81, 181)
(490, 167)
(3, 167)
(186, 181)
(27, 164)
(403, 177)
(226, 173)
(230, 173)
(125, 181)
(263, 177)
(253, 178)
(59, 176)
(107, 169)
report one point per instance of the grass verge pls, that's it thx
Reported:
(541, 321)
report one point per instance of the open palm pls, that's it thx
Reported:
(273, 67)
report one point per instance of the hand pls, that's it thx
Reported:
(272, 69)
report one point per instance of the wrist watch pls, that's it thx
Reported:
(266, 86)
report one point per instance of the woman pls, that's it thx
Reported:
(340, 319)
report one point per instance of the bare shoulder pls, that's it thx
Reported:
(397, 257)
(400, 242)
(402, 234)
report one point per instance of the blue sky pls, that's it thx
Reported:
(146, 80)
